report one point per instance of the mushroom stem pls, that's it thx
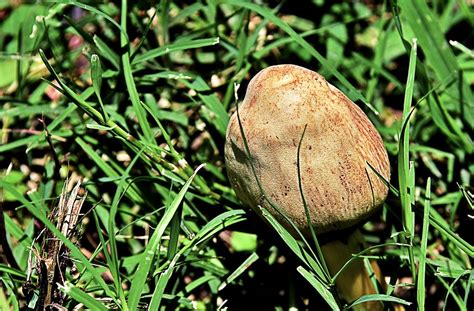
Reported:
(354, 281)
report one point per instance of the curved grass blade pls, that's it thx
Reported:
(452, 292)
(320, 288)
(320, 259)
(218, 223)
(359, 255)
(437, 221)
(241, 269)
(404, 171)
(377, 297)
(456, 298)
(141, 275)
(293, 244)
(10, 302)
(90, 9)
(12, 271)
(197, 283)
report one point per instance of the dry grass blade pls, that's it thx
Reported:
(53, 261)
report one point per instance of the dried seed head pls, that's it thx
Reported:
(339, 187)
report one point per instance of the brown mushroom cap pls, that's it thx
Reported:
(340, 189)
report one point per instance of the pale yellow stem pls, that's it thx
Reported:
(354, 281)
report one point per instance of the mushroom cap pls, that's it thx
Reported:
(340, 189)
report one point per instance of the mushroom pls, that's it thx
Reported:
(340, 189)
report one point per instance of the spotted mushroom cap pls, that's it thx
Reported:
(340, 189)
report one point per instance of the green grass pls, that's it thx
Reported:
(133, 99)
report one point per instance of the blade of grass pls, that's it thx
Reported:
(468, 288)
(437, 221)
(161, 285)
(11, 271)
(141, 275)
(456, 298)
(18, 143)
(365, 251)
(377, 297)
(240, 269)
(216, 224)
(164, 21)
(175, 226)
(448, 124)
(197, 283)
(450, 158)
(130, 82)
(281, 42)
(405, 182)
(420, 289)
(177, 46)
(187, 11)
(293, 244)
(132, 192)
(16, 231)
(106, 51)
(242, 39)
(96, 76)
(452, 292)
(320, 288)
(143, 37)
(461, 47)
(11, 301)
(320, 258)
